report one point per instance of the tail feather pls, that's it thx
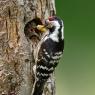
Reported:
(38, 88)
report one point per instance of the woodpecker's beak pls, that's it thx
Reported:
(41, 28)
(48, 24)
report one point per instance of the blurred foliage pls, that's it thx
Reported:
(76, 71)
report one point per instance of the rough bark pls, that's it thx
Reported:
(16, 59)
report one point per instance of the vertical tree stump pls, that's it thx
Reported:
(16, 59)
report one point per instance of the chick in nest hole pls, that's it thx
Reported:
(31, 31)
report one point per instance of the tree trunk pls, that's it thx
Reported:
(16, 57)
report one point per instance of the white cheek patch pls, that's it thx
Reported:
(54, 36)
(56, 23)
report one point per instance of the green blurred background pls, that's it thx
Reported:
(75, 74)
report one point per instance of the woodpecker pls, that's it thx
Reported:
(49, 53)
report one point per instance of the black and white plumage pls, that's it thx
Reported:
(50, 51)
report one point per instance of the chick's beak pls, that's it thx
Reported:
(41, 28)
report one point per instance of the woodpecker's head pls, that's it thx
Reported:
(53, 23)
(55, 26)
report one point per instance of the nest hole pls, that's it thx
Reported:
(30, 30)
